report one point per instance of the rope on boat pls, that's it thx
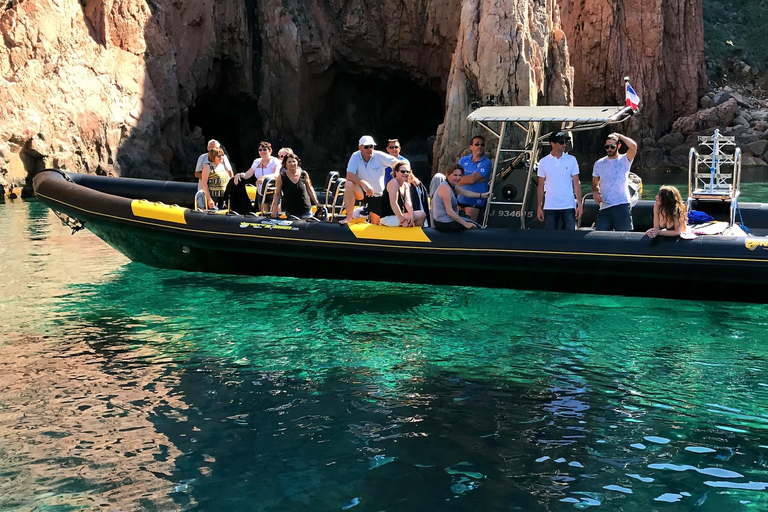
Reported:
(71, 222)
(741, 221)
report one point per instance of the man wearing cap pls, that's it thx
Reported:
(610, 178)
(365, 178)
(203, 159)
(559, 190)
(477, 172)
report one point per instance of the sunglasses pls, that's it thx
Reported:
(394, 147)
(369, 146)
(560, 141)
(404, 172)
(263, 149)
(610, 146)
(479, 145)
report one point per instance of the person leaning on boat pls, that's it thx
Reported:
(477, 168)
(295, 187)
(365, 178)
(669, 213)
(559, 177)
(396, 205)
(214, 179)
(445, 208)
(610, 178)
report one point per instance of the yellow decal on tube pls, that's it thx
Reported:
(158, 211)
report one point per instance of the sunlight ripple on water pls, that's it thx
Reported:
(129, 387)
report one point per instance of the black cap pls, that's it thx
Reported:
(559, 137)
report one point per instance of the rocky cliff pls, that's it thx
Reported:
(134, 87)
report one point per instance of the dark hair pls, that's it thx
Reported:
(458, 167)
(615, 139)
(398, 165)
(672, 206)
(264, 144)
(472, 140)
(291, 155)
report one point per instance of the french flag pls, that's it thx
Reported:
(632, 98)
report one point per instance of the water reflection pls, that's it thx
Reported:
(124, 384)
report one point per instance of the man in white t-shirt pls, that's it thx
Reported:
(559, 190)
(203, 159)
(365, 178)
(610, 185)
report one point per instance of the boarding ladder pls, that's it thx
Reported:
(714, 177)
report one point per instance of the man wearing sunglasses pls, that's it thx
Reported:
(365, 178)
(610, 178)
(477, 172)
(393, 148)
(559, 190)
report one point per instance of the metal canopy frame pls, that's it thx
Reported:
(530, 119)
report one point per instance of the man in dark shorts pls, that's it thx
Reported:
(477, 174)
(365, 178)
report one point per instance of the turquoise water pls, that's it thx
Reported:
(129, 388)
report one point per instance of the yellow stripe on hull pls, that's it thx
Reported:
(158, 211)
(366, 231)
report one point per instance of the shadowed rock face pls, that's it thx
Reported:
(134, 87)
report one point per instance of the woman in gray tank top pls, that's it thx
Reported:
(445, 209)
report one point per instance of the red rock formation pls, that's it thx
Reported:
(82, 81)
(659, 45)
(107, 85)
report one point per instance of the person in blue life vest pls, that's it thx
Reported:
(477, 174)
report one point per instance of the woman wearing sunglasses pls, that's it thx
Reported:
(396, 206)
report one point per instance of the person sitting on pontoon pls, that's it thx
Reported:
(365, 178)
(445, 209)
(214, 179)
(397, 207)
(669, 213)
(295, 187)
(478, 168)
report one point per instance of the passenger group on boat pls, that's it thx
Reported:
(392, 195)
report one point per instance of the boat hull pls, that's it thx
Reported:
(623, 263)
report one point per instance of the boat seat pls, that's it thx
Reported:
(334, 189)
(268, 190)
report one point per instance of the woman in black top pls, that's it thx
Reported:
(294, 185)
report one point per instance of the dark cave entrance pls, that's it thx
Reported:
(233, 121)
(350, 106)
(394, 106)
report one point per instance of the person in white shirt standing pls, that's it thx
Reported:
(559, 190)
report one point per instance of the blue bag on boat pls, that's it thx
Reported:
(697, 217)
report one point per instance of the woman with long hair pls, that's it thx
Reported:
(670, 214)
(445, 210)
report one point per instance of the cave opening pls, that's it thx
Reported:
(352, 105)
(394, 106)
(232, 120)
